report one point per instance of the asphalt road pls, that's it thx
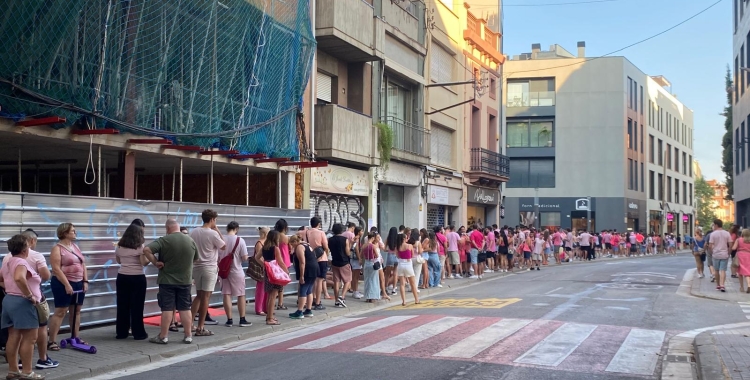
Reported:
(601, 320)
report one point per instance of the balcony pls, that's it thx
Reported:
(344, 135)
(488, 167)
(411, 142)
(480, 37)
(532, 99)
(346, 29)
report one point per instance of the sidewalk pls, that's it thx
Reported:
(723, 354)
(704, 288)
(113, 355)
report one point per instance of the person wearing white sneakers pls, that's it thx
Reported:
(453, 256)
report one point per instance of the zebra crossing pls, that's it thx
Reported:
(551, 344)
(745, 306)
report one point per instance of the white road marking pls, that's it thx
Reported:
(541, 304)
(639, 353)
(482, 340)
(554, 290)
(617, 308)
(352, 333)
(414, 336)
(557, 346)
(272, 340)
(652, 274)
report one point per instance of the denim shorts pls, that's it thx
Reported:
(63, 299)
(721, 264)
(474, 254)
(391, 260)
(306, 288)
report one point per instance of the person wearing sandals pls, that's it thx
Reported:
(68, 275)
(209, 241)
(281, 227)
(177, 252)
(306, 270)
(234, 284)
(131, 284)
(23, 291)
(271, 252)
(372, 268)
(260, 292)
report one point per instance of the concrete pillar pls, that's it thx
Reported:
(128, 162)
(372, 201)
(287, 190)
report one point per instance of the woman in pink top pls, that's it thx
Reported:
(68, 275)
(260, 292)
(131, 284)
(742, 245)
(23, 291)
(405, 269)
(234, 284)
(282, 227)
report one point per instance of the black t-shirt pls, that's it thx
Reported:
(337, 246)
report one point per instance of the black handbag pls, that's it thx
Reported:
(376, 266)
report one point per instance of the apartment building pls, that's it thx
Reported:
(576, 139)
(723, 208)
(741, 111)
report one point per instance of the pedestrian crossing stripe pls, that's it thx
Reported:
(463, 303)
(745, 306)
(557, 345)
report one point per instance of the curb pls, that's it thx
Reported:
(707, 359)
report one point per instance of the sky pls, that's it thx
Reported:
(694, 56)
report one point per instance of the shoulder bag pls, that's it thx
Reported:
(255, 269)
(276, 275)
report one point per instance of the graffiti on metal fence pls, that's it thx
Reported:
(334, 209)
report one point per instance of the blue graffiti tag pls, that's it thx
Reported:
(104, 274)
(114, 220)
(80, 233)
(190, 219)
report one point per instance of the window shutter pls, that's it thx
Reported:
(442, 151)
(324, 86)
(441, 64)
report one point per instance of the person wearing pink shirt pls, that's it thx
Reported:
(453, 255)
(491, 249)
(442, 248)
(476, 238)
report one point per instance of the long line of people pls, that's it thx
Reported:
(405, 260)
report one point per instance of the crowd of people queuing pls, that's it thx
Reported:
(402, 260)
(723, 250)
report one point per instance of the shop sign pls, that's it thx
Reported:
(633, 206)
(685, 218)
(439, 195)
(340, 180)
(670, 217)
(582, 204)
(484, 196)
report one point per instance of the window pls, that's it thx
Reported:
(630, 134)
(676, 190)
(660, 154)
(651, 194)
(676, 129)
(684, 163)
(549, 219)
(735, 15)
(669, 156)
(532, 173)
(630, 174)
(397, 101)
(660, 185)
(736, 70)
(691, 194)
(669, 189)
(441, 64)
(630, 93)
(736, 151)
(324, 86)
(441, 140)
(527, 133)
(635, 96)
(747, 59)
(641, 100)
(635, 137)
(742, 146)
(493, 88)
(690, 159)
(531, 93)
(650, 113)
(684, 192)
(651, 149)
(643, 179)
(676, 160)
(635, 175)
(642, 139)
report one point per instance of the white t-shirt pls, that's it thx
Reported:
(239, 253)
(538, 245)
(585, 239)
(208, 243)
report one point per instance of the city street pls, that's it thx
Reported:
(601, 320)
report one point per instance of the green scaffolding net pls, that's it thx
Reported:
(227, 74)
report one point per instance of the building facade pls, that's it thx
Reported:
(576, 136)
(723, 208)
(741, 111)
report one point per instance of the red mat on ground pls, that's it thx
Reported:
(156, 320)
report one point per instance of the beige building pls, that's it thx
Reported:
(723, 208)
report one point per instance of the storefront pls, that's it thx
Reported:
(654, 217)
(442, 205)
(671, 222)
(482, 206)
(399, 198)
(687, 221)
(633, 216)
(339, 195)
(557, 213)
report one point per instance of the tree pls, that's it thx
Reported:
(706, 209)
(728, 154)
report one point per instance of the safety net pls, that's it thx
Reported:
(226, 74)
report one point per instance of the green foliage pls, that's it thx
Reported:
(385, 143)
(706, 208)
(727, 165)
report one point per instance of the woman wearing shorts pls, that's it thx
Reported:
(234, 284)
(68, 276)
(405, 269)
(391, 261)
(356, 262)
(307, 272)
(699, 252)
(23, 291)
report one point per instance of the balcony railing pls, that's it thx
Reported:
(532, 99)
(409, 137)
(489, 162)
